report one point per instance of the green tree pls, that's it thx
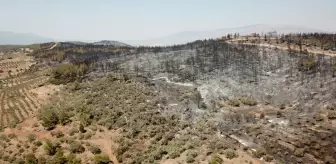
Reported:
(72, 159)
(30, 159)
(66, 73)
(50, 147)
(81, 128)
(49, 118)
(76, 147)
(64, 117)
(101, 159)
(59, 157)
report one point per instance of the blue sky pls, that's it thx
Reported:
(144, 19)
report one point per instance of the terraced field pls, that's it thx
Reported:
(17, 102)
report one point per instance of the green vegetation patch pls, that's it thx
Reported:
(248, 101)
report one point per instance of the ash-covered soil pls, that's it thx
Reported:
(277, 105)
(292, 95)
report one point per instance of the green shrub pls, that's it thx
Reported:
(49, 118)
(299, 152)
(318, 117)
(57, 134)
(190, 159)
(332, 106)
(158, 154)
(3, 137)
(81, 128)
(51, 147)
(282, 106)
(11, 159)
(260, 152)
(234, 102)
(21, 150)
(279, 114)
(268, 158)
(329, 160)
(34, 148)
(221, 145)
(73, 131)
(5, 157)
(26, 145)
(66, 73)
(72, 159)
(307, 64)
(80, 136)
(215, 159)
(19, 161)
(30, 159)
(76, 147)
(248, 101)
(332, 115)
(192, 154)
(31, 137)
(70, 140)
(101, 159)
(94, 149)
(38, 143)
(42, 160)
(62, 139)
(12, 135)
(94, 128)
(174, 154)
(64, 116)
(87, 136)
(59, 157)
(299, 160)
(230, 154)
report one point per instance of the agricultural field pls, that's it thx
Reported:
(18, 80)
(14, 63)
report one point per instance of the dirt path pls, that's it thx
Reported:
(27, 127)
(171, 82)
(105, 142)
(286, 48)
(53, 46)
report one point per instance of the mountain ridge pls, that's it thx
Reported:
(12, 38)
(189, 36)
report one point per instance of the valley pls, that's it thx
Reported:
(227, 100)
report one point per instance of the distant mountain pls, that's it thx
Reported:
(111, 42)
(11, 38)
(189, 36)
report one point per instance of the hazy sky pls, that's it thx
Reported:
(144, 19)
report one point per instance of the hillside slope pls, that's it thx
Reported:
(204, 102)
